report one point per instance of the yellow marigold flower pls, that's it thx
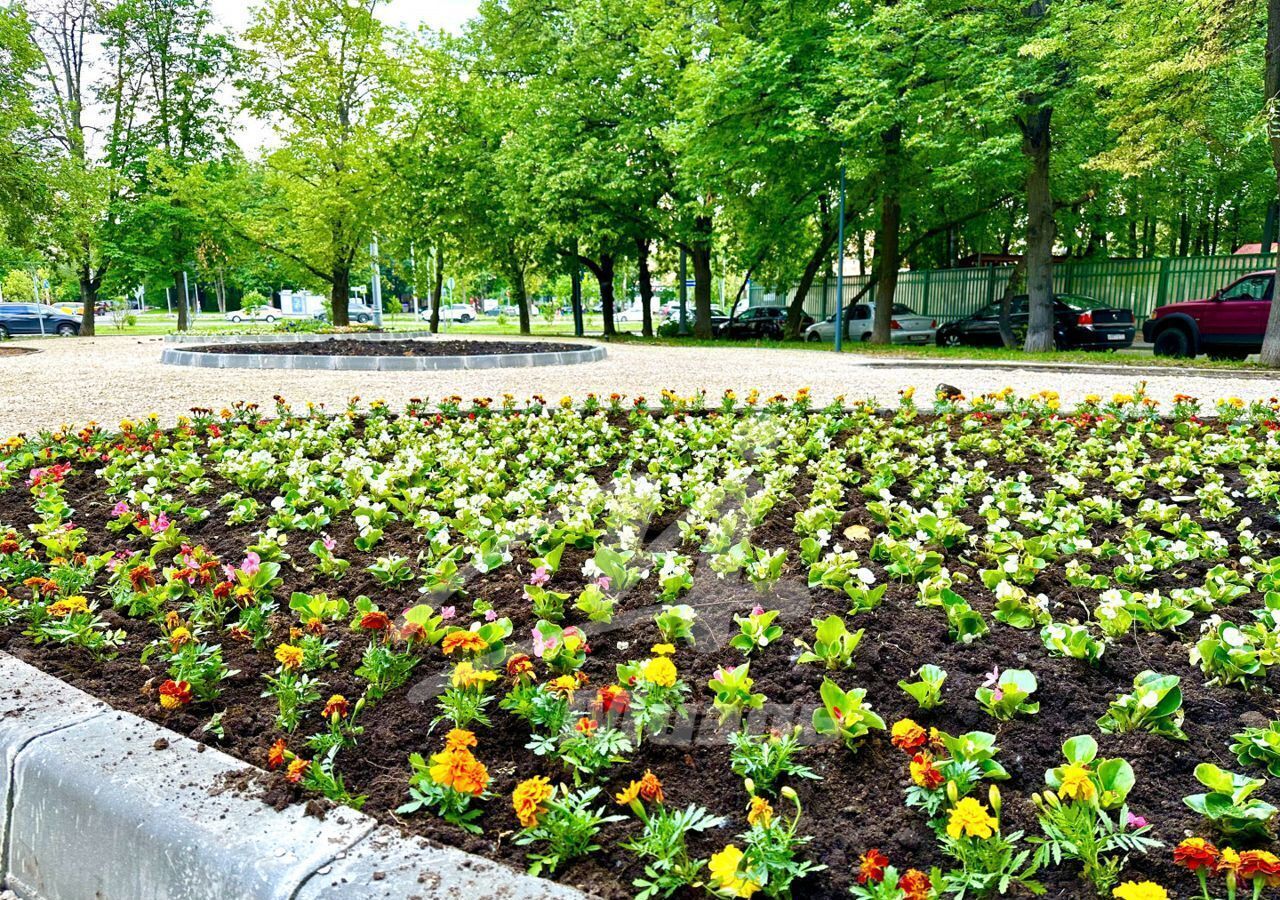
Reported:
(1076, 783)
(725, 879)
(179, 637)
(463, 640)
(907, 735)
(528, 797)
(760, 812)
(336, 707)
(1140, 890)
(60, 609)
(628, 795)
(289, 656)
(565, 684)
(659, 670)
(971, 819)
(662, 649)
(466, 675)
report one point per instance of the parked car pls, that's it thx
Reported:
(906, 326)
(36, 318)
(261, 314)
(759, 322)
(451, 312)
(1228, 325)
(1080, 323)
(718, 315)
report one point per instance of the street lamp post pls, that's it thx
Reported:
(377, 284)
(839, 342)
(684, 292)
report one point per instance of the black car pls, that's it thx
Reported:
(759, 322)
(1081, 323)
(36, 318)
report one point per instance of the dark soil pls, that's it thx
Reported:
(17, 351)
(857, 805)
(432, 347)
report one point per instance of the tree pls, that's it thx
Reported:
(22, 180)
(171, 54)
(317, 69)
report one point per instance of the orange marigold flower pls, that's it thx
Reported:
(275, 755)
(586, 725)
(1196, 853)
(924, 773)
(289, 657)
(1228, 861)
(871, 868)
(1260, 864)
(564, 684)
(179, 637)
(297, 769)
(915, 885)
(520, 666)
(650, 788)
(337, 707)
(907, 735)
(459, 738)
(455, 767)
(375, 621)
(528, 797)
(463, 640)
(174, 694)
(760, 812)
(613, 698)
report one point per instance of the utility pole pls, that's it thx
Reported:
(377, 284)
(413, 265)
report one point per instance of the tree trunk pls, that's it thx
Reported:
(220, 286)
(89, 300)
(1036, 143)
(180, 295)
(887, 238)
(700, 258)
(437, 291)
(830, 235)
(339, 294)
(604, 275)
(1011, 287)
(1271, 342)
(519, 292)
(646, 287)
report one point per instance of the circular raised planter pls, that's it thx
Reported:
(298, 338)
(478, 355)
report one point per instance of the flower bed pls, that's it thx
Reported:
(753, 648)
(388, 347)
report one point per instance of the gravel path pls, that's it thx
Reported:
(107, 378)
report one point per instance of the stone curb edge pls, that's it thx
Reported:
(95, 802)
(1068, 368)
(174, 357)
(300, 338)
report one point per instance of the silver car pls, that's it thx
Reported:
(906, 326)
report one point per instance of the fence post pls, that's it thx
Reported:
(924, 294)
(1162, 285)
(991, 284)
(826, 284)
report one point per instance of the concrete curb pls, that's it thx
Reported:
(302, 338)
(175, 357)
(100, 803)
(1067, 368)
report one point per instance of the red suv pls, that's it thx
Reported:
(1229, 325)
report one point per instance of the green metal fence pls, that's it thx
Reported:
(1137, 284)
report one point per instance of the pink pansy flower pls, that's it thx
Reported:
(252, 562)
(448, 612)
(540, 576)
(329, 543)
(491, 615)
(120, 509)
(540, 646)
(757, 610)
(1136, 821)
(604, 582)
(160, 522)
